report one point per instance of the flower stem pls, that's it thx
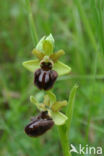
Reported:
(64, 141)
(65, 129)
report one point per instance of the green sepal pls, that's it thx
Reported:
(34, 101)
(46, 100)
(61, 68)
(50, 39)
(40, 44)
(31, 65)
(48, 45)
(52, 97)
(58, 117)
(37, 104)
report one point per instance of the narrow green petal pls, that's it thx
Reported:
(31, 65)
(55, 56)
(38, 54)
(58, 105)
(58, 117)
(61, 68)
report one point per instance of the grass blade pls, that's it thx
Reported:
(32, 24)
(86, 23)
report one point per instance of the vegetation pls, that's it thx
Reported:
(77, 26)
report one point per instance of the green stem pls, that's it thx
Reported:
(64, 141)
(65, 129)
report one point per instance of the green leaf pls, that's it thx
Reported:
(70, 107)
(40, 44)
(31, 65)
(58, 117)
(61, 68)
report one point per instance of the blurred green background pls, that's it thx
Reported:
(77, 26)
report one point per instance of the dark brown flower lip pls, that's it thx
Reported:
(39, 125)
(45, 79)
